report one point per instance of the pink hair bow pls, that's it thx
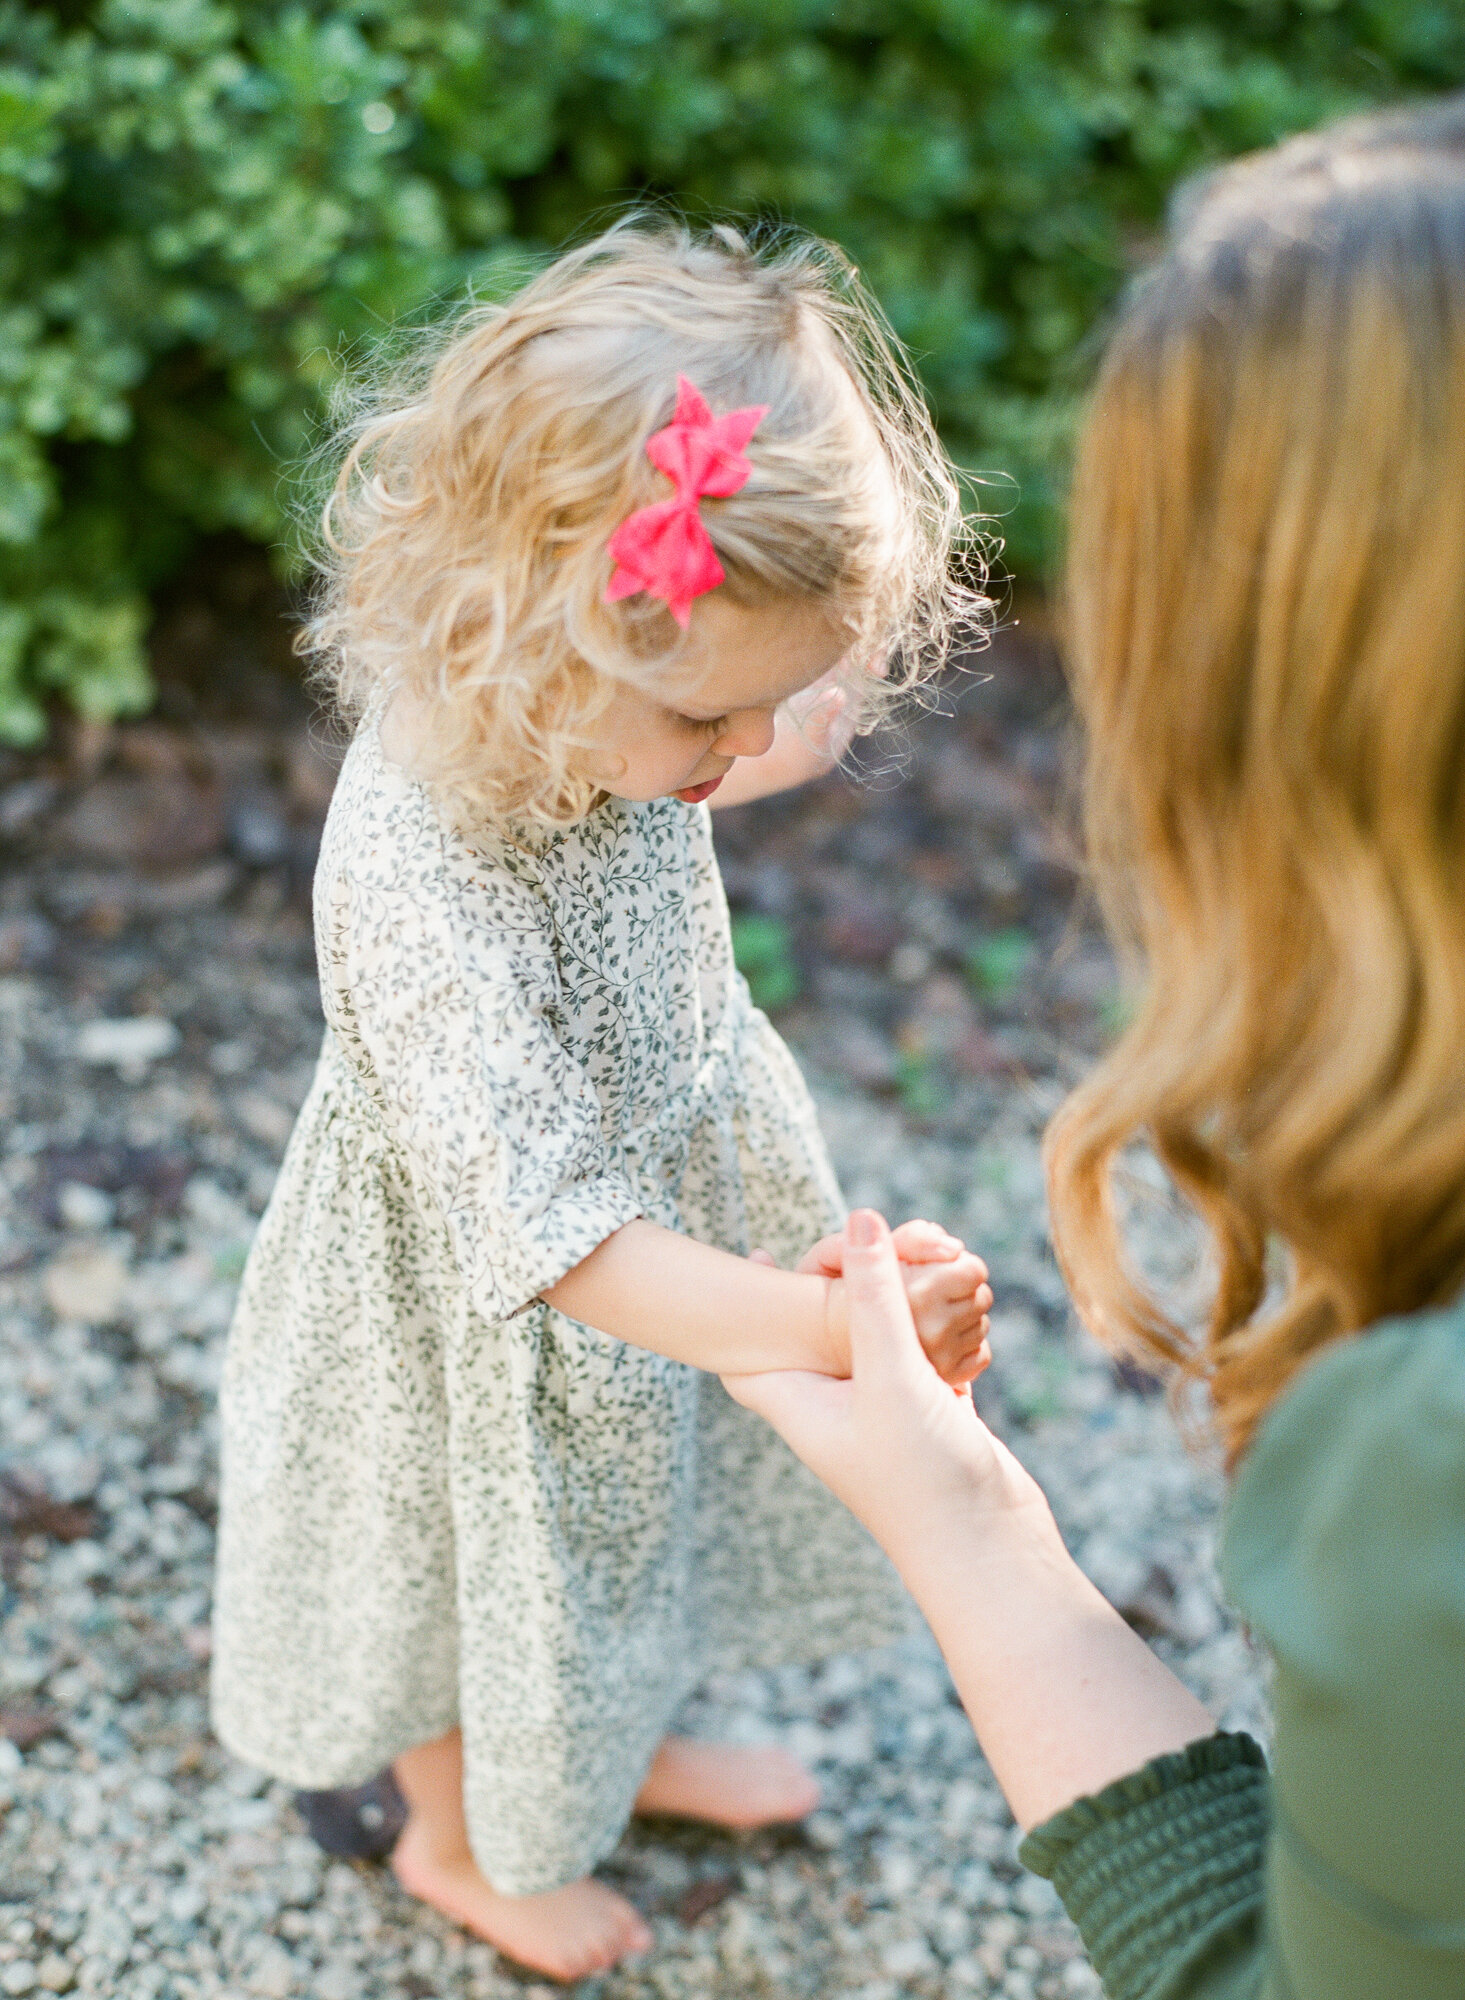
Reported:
(665, 549)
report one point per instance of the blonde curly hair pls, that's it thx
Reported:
(462, 557)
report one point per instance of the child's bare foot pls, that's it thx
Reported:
(567, 1933)
(728, 1784)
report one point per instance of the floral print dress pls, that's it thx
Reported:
(443, 1501)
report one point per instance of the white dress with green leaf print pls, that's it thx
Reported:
(443, 1501)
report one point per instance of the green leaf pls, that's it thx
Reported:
(763, 952)
(995, 965)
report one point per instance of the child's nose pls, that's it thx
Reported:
(748, 732)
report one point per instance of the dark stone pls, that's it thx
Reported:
(22, 804)
(26, 1508)
(161, 821)
(27, 943)
(258, 831)
(147, 1181)
(704, 1896)
(27, 1723)
(862, 932)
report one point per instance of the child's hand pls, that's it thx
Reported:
(916, 1242)
(912, 1462)
(947, 1290)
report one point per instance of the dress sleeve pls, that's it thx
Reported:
(1162, 1873)
(1343, 1878)
(449, 991)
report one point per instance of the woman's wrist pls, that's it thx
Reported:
(960, 1521)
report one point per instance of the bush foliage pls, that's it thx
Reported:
(205, 206)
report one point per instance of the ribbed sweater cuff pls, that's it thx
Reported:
(1164, 1867)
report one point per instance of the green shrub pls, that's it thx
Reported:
(203, 206)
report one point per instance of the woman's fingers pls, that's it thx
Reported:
(916, 1242)
(890, 1436)
(813, 1414)
(883, 1334)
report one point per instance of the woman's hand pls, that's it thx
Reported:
(946, 1286)
(896, 1446)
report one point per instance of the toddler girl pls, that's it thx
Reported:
(481, 1513)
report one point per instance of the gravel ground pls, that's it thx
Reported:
(157, 1029)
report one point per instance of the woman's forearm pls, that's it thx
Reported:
(1064, 1698)
(655, 1289)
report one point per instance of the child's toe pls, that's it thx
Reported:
(617, 1932)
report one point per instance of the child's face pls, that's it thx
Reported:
(718, 702)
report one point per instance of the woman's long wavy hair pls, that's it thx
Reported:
(462, 558)
(1267, 638)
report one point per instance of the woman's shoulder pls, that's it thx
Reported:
(1346, 1523)
(1400, 1383)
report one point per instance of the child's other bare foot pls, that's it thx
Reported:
(728, 1784)
(567, 1933)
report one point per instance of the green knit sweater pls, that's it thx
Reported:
(1342, 1875)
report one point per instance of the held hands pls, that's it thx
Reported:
(891, 1442)
(945, 1288)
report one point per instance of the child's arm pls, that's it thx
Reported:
(653, 1288)
(807, 742)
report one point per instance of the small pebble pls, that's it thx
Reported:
(86, 1283)
(909, 1958)
(274, 1977)
(131, 1047)
(84, 1207)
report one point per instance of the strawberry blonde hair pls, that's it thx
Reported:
(1267, 637)
(463, 558)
